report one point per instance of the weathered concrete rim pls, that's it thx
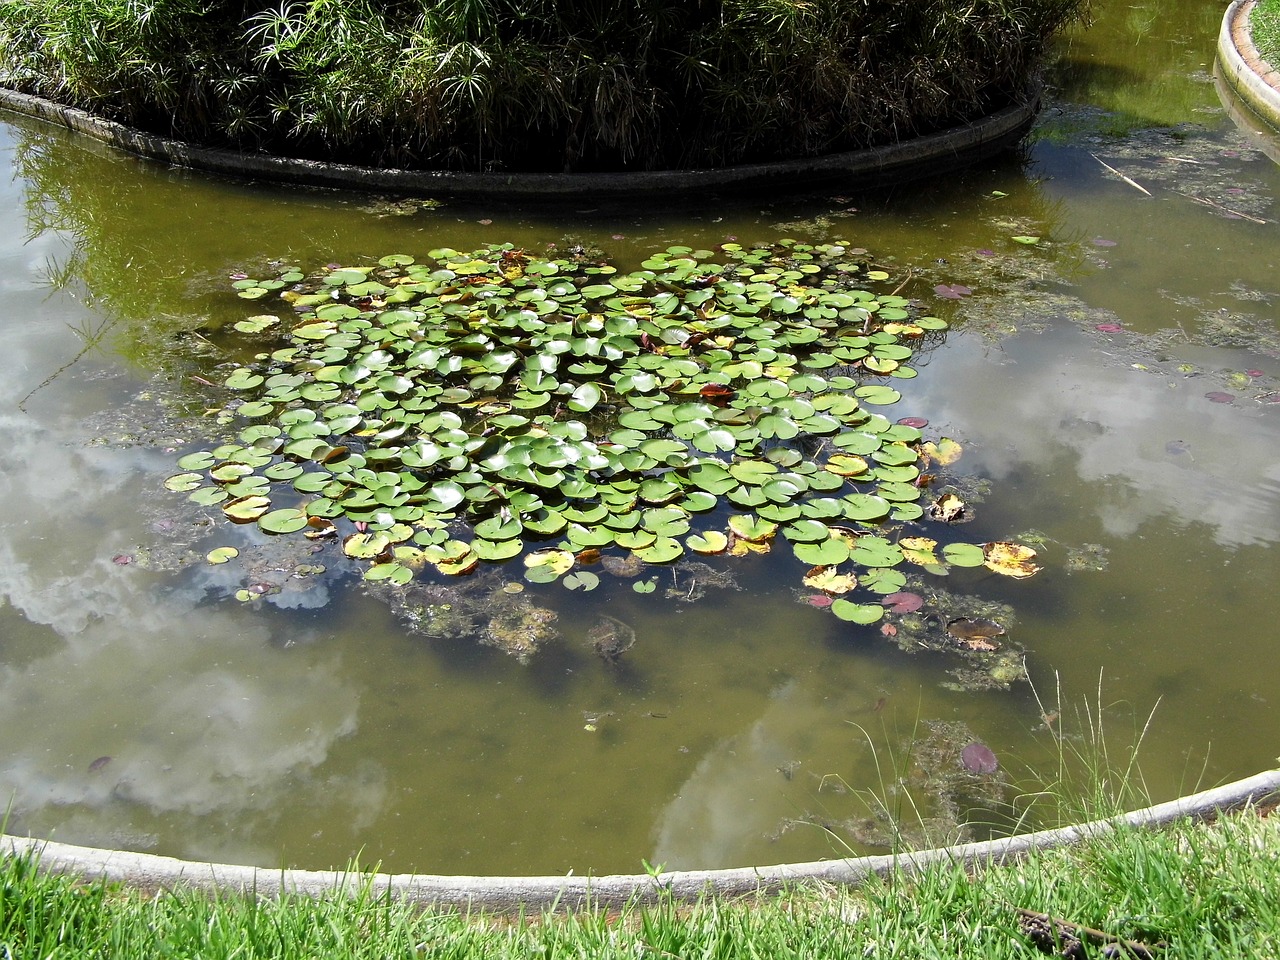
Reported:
(1252, 79)
(503, 894)
(910, 159)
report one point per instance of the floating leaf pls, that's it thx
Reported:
(846, 465)
(583, 580)
(222, 554)
(920, 551)
(242, 378)
(826, 553)
(197, 461)
(1029, 241)
(366, 546)
(902, 602)
(864, 613)
(964, 554)
(288, 520)
(878, 395)
(712, 541)
(558, 561)
(944, 452)
(183, 482)
(662, 550)
(246, 509)
(209, 496)
(830, 580)
(884, 580)
(752, 528)
(1010, 559)
(494, 551)
(256, 324)
(392, 572)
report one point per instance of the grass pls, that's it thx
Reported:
(1202, 891)
(532, 84)
(1264, 22)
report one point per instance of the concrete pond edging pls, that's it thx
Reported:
(1255, 81)
(507, 894)
(909, 159)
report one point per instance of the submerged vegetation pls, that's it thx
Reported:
(547, 85)
(487, 406)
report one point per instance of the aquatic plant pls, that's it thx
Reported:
(538, 85)
(484, 406)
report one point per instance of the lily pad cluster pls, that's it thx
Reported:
(478, 407)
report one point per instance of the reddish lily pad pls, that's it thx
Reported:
(903, 602)
(978, 758)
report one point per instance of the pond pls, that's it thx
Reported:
(1111, 378)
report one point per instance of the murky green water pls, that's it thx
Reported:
(311, 727)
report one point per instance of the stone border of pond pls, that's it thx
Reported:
(1251, 78)
(507, 894)
(912, 159)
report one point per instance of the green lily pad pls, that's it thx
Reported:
(184, 482)
(288, 520)
(391, 572)
(825, 553)
(583, 580)
(246, 509)
(662, 550)
(494, 551)
(964, 554)
(884, 580)
(877, 394)
(752, 528)
(864, 613)
(242, 378)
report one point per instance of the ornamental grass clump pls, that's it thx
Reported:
(541, 85)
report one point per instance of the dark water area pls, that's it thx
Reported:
(1112, 385)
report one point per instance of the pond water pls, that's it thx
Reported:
(1111, 385)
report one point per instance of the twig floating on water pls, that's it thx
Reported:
(1129, 180)
(1217, 206)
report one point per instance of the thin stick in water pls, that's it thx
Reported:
(1129, 180)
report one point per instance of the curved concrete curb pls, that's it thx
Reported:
(919, 157)
(1251, 78)
(510, 893)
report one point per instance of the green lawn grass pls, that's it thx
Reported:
(1265, 26)
(1188, 891)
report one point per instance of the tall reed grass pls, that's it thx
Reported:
(538, 84)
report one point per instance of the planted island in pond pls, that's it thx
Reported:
(546, 85)
(500, 408)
